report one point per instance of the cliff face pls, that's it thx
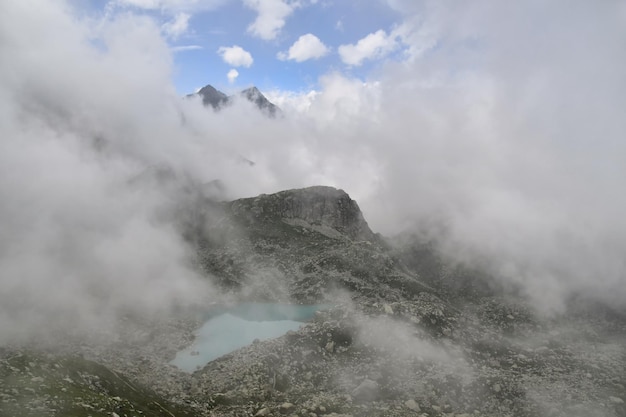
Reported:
(319, 208)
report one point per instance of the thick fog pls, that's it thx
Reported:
(500, 132)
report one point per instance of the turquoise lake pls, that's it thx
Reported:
(228, 329)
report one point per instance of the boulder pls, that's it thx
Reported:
(367, 391)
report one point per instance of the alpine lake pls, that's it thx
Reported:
(227, 329)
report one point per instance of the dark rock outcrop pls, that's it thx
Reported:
(212, 97)
(314, 207)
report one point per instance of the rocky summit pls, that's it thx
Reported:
(407, 332)
(218, 100)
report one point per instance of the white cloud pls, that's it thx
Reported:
(405, 6)
(86, 192)
(290, 101)
(505, 136)
(232, 75)
(183, 48)
(416, 38)
(177, 26)
(142, 4)
(171, 6)
(236, 56)
(374, 45)
(306, 47)
(271, 16)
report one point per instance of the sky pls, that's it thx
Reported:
(495, 128)
(273, 44)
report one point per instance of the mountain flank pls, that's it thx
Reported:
(407, 332)
(307, 244)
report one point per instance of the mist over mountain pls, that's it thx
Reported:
(457, 214)
(404, 330)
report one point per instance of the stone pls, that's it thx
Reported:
(367, 391)
(412, 405)
(616, 400)
(222, 399)
(286, 408)
(263, 412)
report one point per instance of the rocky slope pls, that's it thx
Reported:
(408, 333)
(37, 384)
(300, 245)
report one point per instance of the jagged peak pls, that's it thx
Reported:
(252, 90)
(217, 99)
(210, 89)
(256, 96)
(211, 96)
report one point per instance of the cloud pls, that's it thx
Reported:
(406, 6)
(183, 48)
(503, 142)
(271, 16)
(306, 47)
(236, 56)
(293, 101)
(87, 236)
(373, 46)
(232, 75)
(171, 6)
(177, 27)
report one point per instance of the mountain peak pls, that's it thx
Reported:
(251, 90)
(217, 99)
(212, 96)
(254, 95)
(317, 206)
